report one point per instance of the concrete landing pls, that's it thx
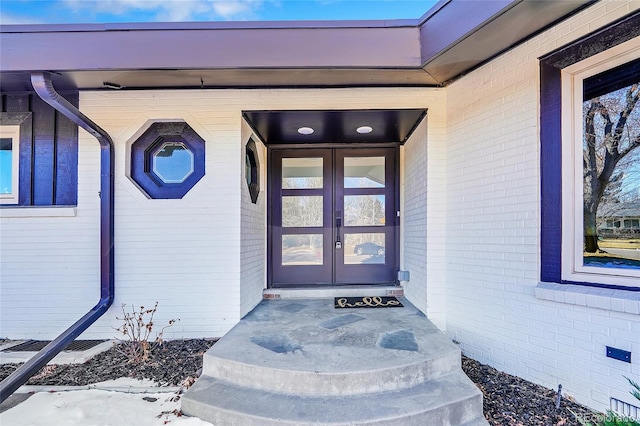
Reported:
(303, 362)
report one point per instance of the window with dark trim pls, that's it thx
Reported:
(576, 83)
(252, 170)
(167, 160)
(47, 151)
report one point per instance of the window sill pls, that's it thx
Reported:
(593, 297)
(33, 211)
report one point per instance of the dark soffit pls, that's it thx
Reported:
(334, 126)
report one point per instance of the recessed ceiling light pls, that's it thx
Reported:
(364, 130)
(305, 130)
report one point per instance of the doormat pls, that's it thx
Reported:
(367, 302)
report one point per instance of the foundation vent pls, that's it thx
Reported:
(36, 345)
(624, 409)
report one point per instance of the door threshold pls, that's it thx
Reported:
(329, 292)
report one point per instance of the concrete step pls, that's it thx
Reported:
(354, 370)
(449, 400)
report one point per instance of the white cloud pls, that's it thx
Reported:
(173, 10)
(10, 19)
(229, 9)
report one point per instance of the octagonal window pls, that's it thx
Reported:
(172, 162)
(167, 160)
(252, 170)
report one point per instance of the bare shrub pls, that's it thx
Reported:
(136, 330)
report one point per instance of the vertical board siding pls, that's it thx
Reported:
(44, 152)
(49, 158)
(66, 159)
(15, 103)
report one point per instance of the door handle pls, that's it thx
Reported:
(338, 225)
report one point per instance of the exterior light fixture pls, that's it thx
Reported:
(305, 130)
(363, 130)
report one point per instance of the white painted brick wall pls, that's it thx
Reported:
(414, 215)
(253, 254)
(493, 244)
(188, 254)
(424, 215)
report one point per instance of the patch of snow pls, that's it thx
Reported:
(124, 382)
(96, 407)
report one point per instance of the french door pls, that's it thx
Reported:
(332, 216)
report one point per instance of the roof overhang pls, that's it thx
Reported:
(466, 34)
(453, 38)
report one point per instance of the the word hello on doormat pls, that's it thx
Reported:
(367, 302)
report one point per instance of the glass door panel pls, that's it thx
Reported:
(366, 194)
(364, 172)
(302, 211)
(301, 218)
(364, 249)
(302, 173)
(302, 249)
(364, 210)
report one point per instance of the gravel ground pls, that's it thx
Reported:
(170, 364)
(508, 400)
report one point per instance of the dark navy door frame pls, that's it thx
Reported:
(332, 272)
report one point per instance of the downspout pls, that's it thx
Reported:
(44, 88)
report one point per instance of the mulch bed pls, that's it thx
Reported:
(508, 400)
(171, 363)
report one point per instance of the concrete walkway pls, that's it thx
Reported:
(301, 361)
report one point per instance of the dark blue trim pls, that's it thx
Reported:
(253, 181)
(550, 174)
(142, 150)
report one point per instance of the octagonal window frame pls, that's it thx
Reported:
(151, 141)
(252, 170)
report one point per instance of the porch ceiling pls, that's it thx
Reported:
(334, 126)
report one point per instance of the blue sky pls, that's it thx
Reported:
(101, 11)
